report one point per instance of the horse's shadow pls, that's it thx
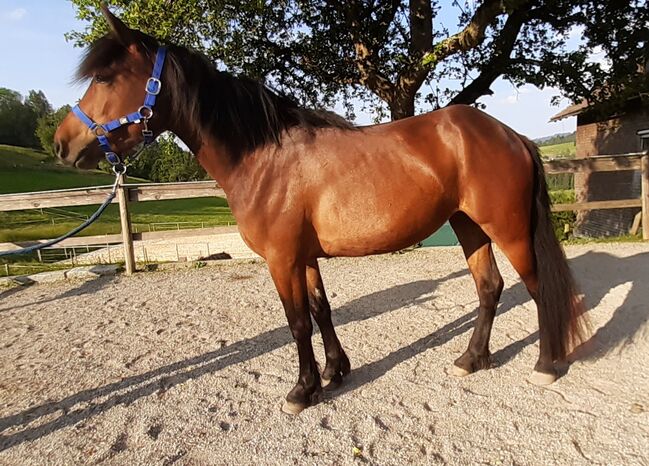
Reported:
(627, 321)
(86, 287)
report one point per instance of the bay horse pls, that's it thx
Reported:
(305, 184)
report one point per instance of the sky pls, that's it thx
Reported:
(35, 55)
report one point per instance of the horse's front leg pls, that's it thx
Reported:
(290, 281)
(337, 362)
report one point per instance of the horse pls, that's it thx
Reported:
(305, 184)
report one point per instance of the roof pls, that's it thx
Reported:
(573, 110)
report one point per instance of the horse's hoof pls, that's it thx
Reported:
(458, 371)
(542, 378)
(292, 408)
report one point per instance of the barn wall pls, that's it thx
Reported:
(613, 136)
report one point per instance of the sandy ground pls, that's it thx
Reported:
(190, 367)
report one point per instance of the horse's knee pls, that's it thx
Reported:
(301, 328)
(319, 305)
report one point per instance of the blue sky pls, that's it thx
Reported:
(35, 55)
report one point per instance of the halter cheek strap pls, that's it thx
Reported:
(141, 116)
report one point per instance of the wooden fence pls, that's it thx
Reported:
(163, 191)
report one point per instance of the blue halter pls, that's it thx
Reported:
(141, 116)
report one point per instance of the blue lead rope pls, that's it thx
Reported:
(142, 116)
(73, 232)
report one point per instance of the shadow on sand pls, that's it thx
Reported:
(627, 321)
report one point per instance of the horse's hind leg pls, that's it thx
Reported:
(521, 255)
(479, 256)
(337, 364)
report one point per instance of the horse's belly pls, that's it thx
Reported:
(372, 225)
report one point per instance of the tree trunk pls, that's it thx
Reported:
(402, 106)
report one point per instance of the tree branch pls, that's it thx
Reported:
(499, 60)
(411, 77)
(369, 73)
(471, 36)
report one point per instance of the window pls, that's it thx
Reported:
(644, 139)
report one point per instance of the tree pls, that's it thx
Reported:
(39, 103)
(167, 161)
(17, 120)
(46, 127)
(399, 54)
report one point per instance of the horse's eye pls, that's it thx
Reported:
(100, 79)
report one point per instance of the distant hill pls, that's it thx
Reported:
(558, 138)
(25, 170)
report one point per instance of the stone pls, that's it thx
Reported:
(103, 270)
(82, 273)
(48, 277)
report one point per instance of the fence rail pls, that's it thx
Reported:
(165, 191)
(97, 195)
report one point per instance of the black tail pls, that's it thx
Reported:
(561, 310)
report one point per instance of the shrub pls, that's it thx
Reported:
(560, 219)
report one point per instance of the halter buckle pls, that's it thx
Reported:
(153, 86)
(113, 158)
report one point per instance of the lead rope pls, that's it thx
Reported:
(76, 230)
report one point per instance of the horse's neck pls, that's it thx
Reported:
(210, 153)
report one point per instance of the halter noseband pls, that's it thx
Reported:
(141, 116)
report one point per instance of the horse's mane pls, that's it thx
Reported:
(244, 114)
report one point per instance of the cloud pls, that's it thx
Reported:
(14, 15)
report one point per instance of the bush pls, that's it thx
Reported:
(46, 127)
(561, 219)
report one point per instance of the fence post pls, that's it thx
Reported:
(644, 170)
(125, 219)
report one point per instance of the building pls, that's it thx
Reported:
(625, 131)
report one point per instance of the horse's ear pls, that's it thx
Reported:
(118, 29)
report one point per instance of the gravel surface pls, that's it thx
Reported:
(190, 367)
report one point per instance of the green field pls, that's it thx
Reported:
(565, 150)
(25, 170)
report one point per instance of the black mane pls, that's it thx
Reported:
(244, 114)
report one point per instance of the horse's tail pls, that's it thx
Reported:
(561, 310)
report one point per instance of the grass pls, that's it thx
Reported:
(564, 150)
(29, 268)
(28, 225)
(26, 170)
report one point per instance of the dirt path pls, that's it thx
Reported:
(190, 367)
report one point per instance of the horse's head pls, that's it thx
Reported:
(119, 66)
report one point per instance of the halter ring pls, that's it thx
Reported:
(145, 112)
(99, 130)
